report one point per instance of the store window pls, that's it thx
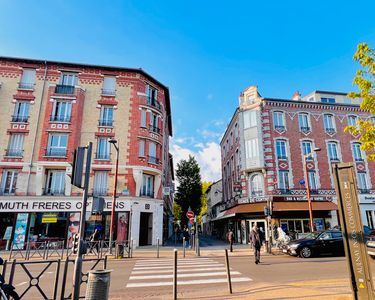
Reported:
(9, 182)
(55, 183)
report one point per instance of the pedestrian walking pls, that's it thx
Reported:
(256, 238)
(230, 237)
(187, 238)
(94, 239)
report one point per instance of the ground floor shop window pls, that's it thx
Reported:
(369, 218)
(300, 226)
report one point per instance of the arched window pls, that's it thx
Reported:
(256, 185)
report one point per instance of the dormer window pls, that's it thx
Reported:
(328, 100)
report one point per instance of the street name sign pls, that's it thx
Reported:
(352, 230)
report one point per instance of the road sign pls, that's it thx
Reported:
(190, 214)
(191, 221)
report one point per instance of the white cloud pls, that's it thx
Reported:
(208, 157)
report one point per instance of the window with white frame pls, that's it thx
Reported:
(154, 123)
(278, 120)
(281, 149)
(252, 148)
(249, 118)
(68, 79)
(143, 117)
(352, 120)
(61, 110)
(28, 79)
(329, 123)
(283, 180)
(312, 180)
(106, 116)
(256, 185)
(21, 111)
(103, 148)
(57, 144)
(147, 185)
(362, 181)
(333, 151)
(152, 153)
(15, 147)
(307, 149)
(109, 86)
(328, 100)
(9, 182)
(357, 152)
(141, 147)
(100, 183)
(152, 96)
(55, 183)
(303, 121)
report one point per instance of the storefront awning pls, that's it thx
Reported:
(223, 215)
(293, 206)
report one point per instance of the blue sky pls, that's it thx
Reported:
(206, 52)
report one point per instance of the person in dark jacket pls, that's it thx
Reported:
(230, 237)
(186, 235)
(256, 238)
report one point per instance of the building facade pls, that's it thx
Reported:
(263, 153)
(214, 197)
(50, 108)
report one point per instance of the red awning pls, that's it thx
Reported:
(293, 206)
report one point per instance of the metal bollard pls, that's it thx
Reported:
(175, 275)
(198, 247)
(98, 285)
(228, 271)
(157, 248)
(183, 245)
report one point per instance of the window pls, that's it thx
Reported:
(154, 123)
(109, 86)
(9, 182)
(256, 185)
(284, 180)
(141, 147)
(15, 147)
(55, 184)
(143, 117)
(152, 96)
(329, 123)
(252, 148)
(103, 148)
(21, 111)
(327, 100)
(249, 118)
(61, 111)
(370, 220)
(57, 144)
(332, 151)
(281, 149)
(307, 149)
(303, 121)
(27, 79)
(68, 79)
(152, 153)
(357, 153)
(106, 116)
(278, 120)
(147, 185)
(312, 180)
(362, 182)
(352, 120)
(100, 183)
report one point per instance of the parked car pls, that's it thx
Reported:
(329, 242)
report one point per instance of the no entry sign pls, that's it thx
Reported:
(190, 214)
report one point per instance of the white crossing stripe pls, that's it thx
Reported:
(179, 271)
(183, 275)
(178, 266)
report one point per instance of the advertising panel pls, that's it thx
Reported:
(122, 226)
(20, 231)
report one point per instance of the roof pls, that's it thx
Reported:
(331, 93)
(112, 68)
(308, 102)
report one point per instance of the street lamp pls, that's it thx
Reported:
(305, 157)
(113, 142)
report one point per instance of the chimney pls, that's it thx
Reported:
(296, 96)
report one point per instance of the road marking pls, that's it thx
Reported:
(183, 275)
(22, 283)
(171, 260)
(171, 266)
(178, 263)
(184, 270)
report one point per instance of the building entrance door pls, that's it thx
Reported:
(145, 229)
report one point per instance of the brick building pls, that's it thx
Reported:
(48, 109)
(263, 152)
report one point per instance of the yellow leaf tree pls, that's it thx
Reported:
(205, 186)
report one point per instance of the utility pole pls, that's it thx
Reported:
(78, 262)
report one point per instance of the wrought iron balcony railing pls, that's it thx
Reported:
(54, 192)
(153, 102)
(330, 130)
(305, 129)
(20, 119)
(26, 86)
(14, 152)
(64, 89)
(282, 157)
(108, 92)
(154, 129)
(147, 193)
(153, 160)
(279, 127)
(102, 155)
(60, 118)
(56, 152)
(104, 122)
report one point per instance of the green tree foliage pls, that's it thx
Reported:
(364, 130)
(177, 211)
(205, 186)
(189, 190)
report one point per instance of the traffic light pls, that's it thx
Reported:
(266, 211)
(77, 168)
(75, 243)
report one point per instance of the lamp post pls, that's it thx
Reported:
(113, 142)
(308, 186)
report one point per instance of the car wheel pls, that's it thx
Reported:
(305, 252)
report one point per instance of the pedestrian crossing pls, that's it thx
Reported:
(190, 271)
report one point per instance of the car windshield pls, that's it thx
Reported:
(312, 235)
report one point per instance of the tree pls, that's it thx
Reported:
(205, 186)
(177, 211)
(189, 190)
(365, 80)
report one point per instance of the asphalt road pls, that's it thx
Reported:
(203, 278)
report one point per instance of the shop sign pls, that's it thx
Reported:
(370, 199)
(49, 218)
(20, 231)
(301, 198)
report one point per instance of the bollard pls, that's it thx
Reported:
(157, 248)
(228, 271)
(98, 285)
(131, 249)
(175, 275)
(183, 245)
(198, 247)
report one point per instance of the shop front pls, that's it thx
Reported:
(58, 219)
(367, 209)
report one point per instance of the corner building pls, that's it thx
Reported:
(48, 109)
(263, 151)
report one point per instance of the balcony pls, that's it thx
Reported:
(359, 159)
(64, 89)
(283, 191)
(20, 119)
(284, 157)
(25, 86)
(279, 128)
(154, 129)
(108, 92)
(104, 156)
(257, 193)
(334, 159)
(147, 194)
(330, 130)
(305, 129)
(153, 160)
(104, 122)
(56, 152)
(6, 191)
(54, 192)
(65, 119)
(14, 152)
